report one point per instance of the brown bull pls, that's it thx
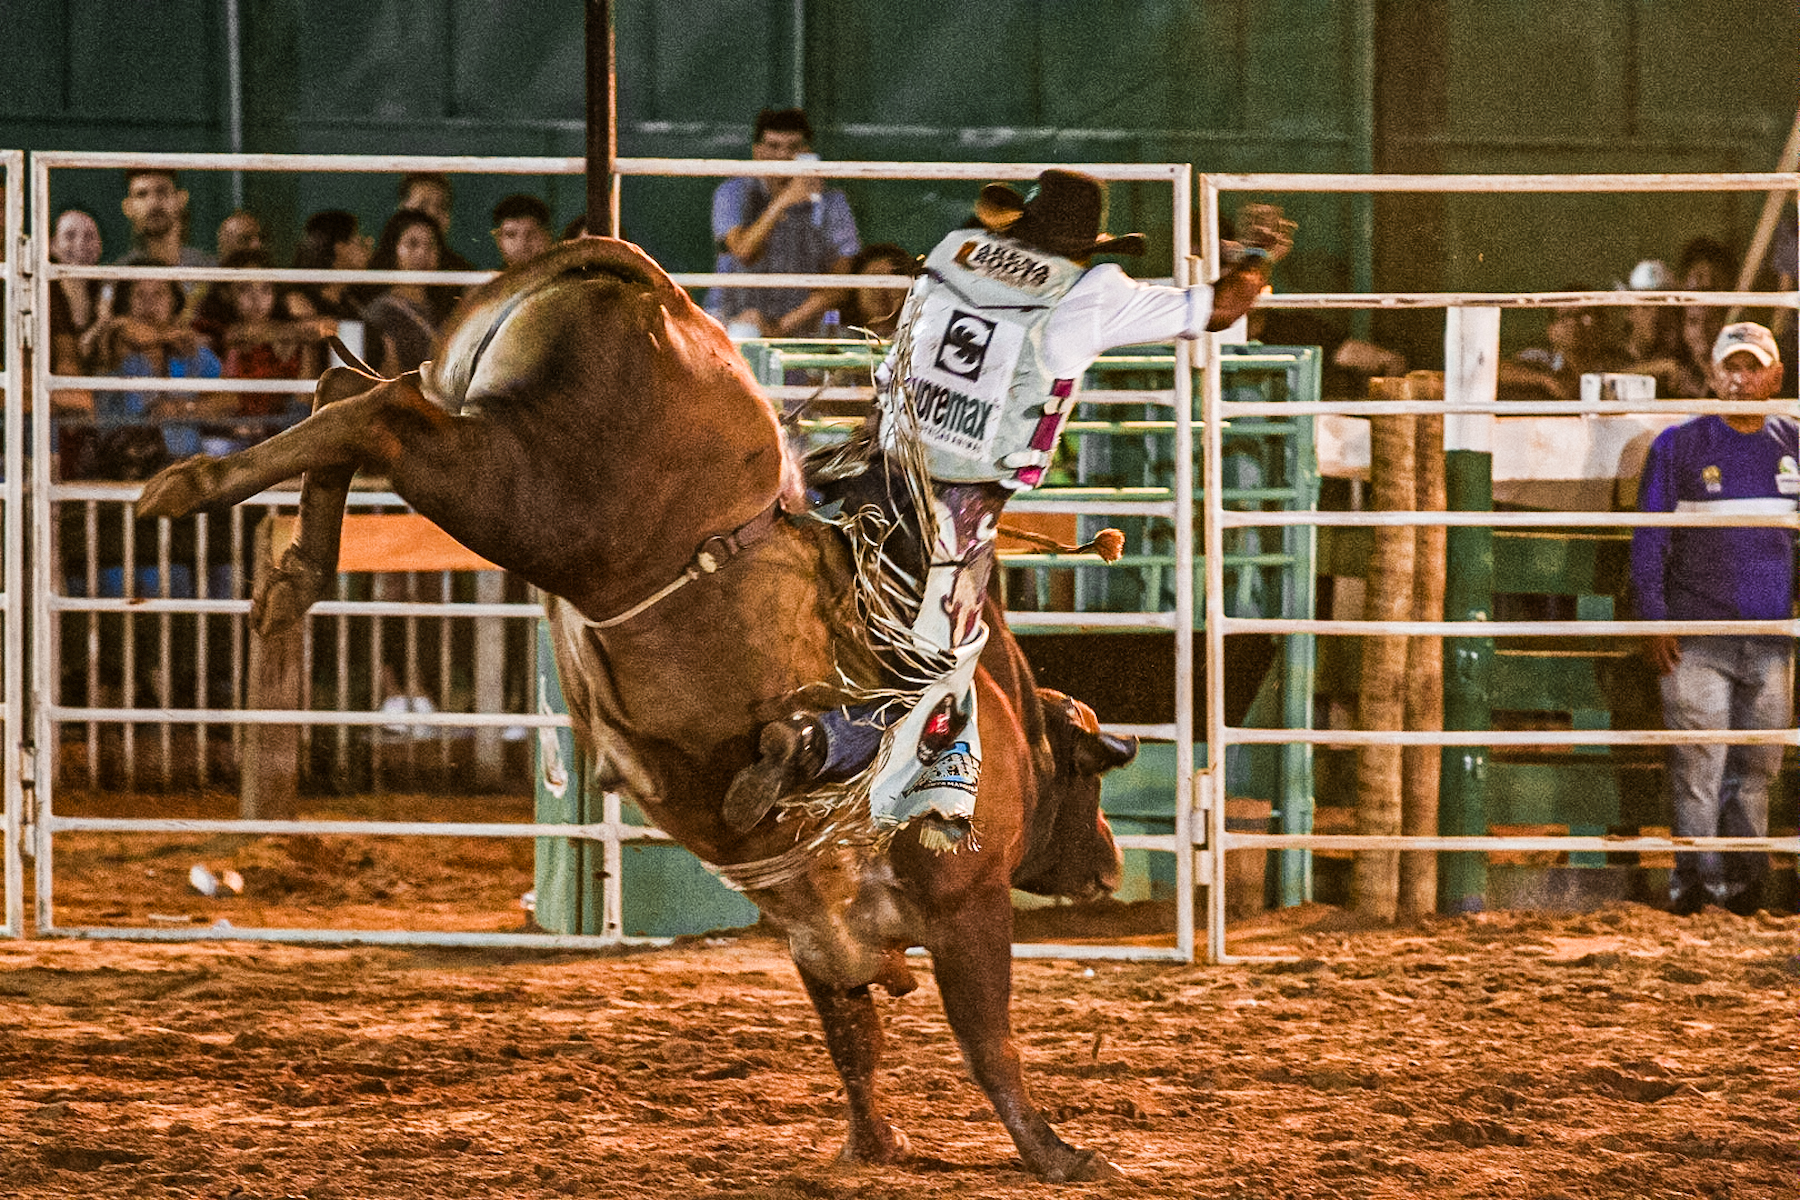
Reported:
(587, 427)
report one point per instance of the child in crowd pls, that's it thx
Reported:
(148, 339)
(262, 341)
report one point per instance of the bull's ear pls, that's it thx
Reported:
(1096, 753)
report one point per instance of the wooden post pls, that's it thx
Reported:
(490, 680)
(1375, 877)
(271, 763)
(1422, 765)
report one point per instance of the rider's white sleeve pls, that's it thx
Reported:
(1108, 308)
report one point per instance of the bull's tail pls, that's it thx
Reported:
(306, 568)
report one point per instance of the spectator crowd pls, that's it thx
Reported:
(250, 330)
(759, 225)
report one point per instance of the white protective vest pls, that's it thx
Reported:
(982, 402)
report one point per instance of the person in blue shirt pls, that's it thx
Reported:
(1732, 464)
(778, 226)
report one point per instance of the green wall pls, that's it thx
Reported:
(1290, 85)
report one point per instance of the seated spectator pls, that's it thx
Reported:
(779, 226)
(149, 341)
(876, 309)
(242, 230)
(403, 321)
(262, 341)
(429, 192)
(1705, 265)
(521, 228)
(331, 241)
(75, 308)
(74, 303)
(1578, 340)
(157, 207)
(1653, 341)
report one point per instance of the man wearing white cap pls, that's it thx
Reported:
(1748, 464)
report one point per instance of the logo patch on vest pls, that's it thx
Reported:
(964, 345)
(1787, 476)
(1711, 480)
(1003, 264)
(962, 368)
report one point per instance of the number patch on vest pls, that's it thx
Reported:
(963, 364)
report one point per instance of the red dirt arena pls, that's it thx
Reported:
(1622, 1053)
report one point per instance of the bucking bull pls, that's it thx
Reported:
(587, 427)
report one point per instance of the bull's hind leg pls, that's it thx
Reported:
(853, 1035)
(973, 958)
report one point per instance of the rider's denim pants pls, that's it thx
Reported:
(1717, 790)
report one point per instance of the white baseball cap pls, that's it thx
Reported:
(1651, 275)
(1748, 337)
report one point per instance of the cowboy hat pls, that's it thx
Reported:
(1065, 213)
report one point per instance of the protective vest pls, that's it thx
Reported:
(981, 401)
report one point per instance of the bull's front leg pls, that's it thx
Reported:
(348, 428)
(972, 953)
(853, 1036)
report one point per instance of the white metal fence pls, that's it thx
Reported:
(171, 715)
(1470, 397)
(12, 528)
(1200, 839)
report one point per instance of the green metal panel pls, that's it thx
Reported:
(665, 890)
(1468, 678)
(1522, 793)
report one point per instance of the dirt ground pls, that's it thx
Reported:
(1618, 1053)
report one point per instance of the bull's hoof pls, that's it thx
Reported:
(876, 1146)
(1087, 1166)
(176, 491)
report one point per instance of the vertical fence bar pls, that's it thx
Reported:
(165, 646)
(91, 532)
(1182, 243)
(341, 764)
(202, 660)
(239, 628)
(447, 595)
(43, 682)
(128, 589)
(1213, 544)
(15, 302)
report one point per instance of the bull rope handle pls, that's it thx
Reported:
(1109, 544)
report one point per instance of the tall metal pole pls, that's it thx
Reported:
(602, 121)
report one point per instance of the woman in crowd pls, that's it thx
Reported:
(1579, 340)
(75, 307)
(403, 320)
(74, 303)
(876, 309)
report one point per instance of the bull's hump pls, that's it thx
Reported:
(485, 337)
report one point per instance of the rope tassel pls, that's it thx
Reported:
(1109, 544)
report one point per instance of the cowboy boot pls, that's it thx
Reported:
(793, 752)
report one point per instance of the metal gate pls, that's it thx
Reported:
(145, 593)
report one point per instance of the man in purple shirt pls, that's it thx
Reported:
(1733, 464)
